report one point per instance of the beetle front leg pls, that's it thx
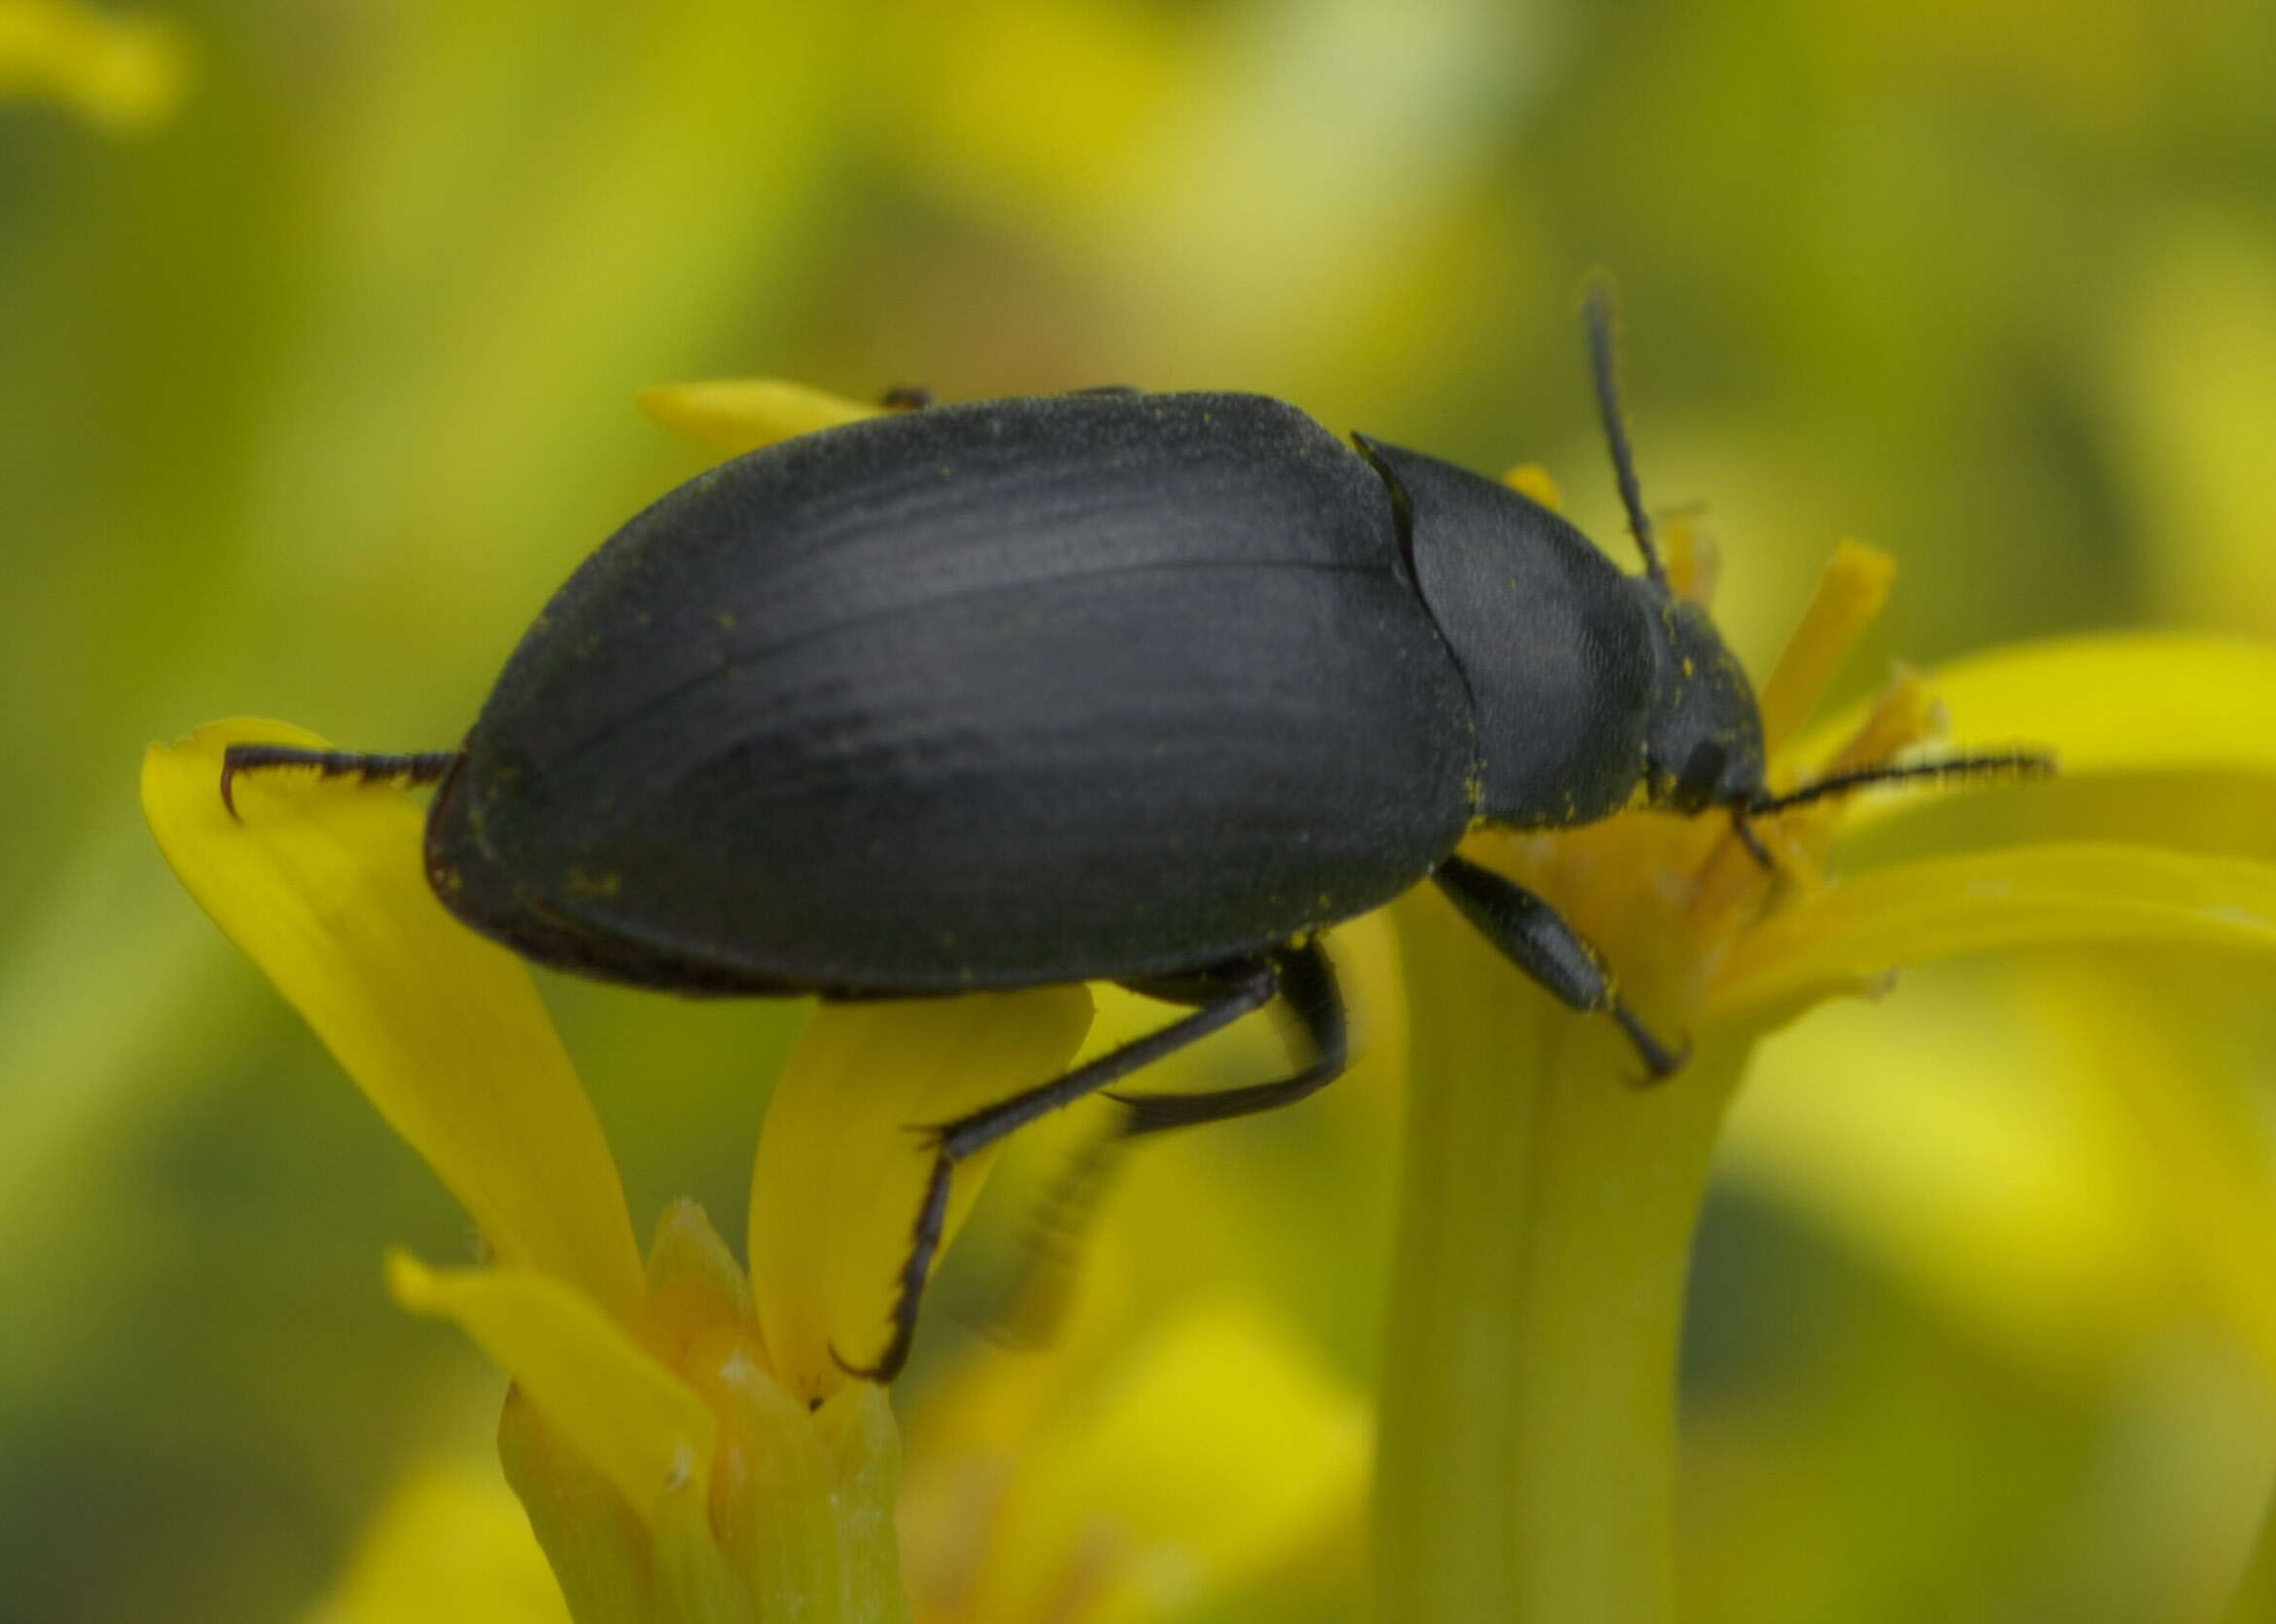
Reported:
(1248, 987)
(1540, 941)
(426, 766)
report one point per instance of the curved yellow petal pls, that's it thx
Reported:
(742, 414)
(1217, 1452)
(646, 1430)
(842, 1162)
(1850, 593)
(1849, 935)
(321, 885)
(1531, 479)
(2127, 702)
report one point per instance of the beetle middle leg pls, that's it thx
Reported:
(1240, 988)
(1308, 987)
(1542, 943)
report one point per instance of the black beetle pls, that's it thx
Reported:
(1104, 687)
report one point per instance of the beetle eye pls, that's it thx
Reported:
(1702, 775)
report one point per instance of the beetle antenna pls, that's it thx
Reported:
(1743, 828)
(1604, 360)
(2012, 765)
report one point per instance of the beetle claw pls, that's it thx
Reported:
(1659, 1061)
(883, 1372)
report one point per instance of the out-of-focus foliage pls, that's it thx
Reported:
(316, 386)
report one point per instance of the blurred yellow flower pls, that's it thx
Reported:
(1110, 1479)
(1549, 1207)
(1129, 1473)
(122, 74)
(684, 1438)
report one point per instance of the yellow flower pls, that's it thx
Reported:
(1527, 1411)
(122, 74)
(685, 1437)
(1112, 1478)
(1131, 1470)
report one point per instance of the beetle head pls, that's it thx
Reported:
(1703, 732)
(1704, 737)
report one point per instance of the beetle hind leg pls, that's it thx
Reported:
(1240, 987)
(426, 766)
(1542, 943)
(1307, 984)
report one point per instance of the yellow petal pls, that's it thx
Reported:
(1850, 593)
(1847, 936)
(321, 885)
(1689, 554)
(694, 1284)
(841, 1167)
(1218, 1451)
(1531, 479)
(2129, 702)
(742, 414)
(637, 1423)
(450, 1543)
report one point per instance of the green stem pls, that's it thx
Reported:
(1527, 1450)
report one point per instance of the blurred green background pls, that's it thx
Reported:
(314, 385)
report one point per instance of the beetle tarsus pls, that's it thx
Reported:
(932, 1221)
(1659, 1061)
(905, 397)
(426, 766)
